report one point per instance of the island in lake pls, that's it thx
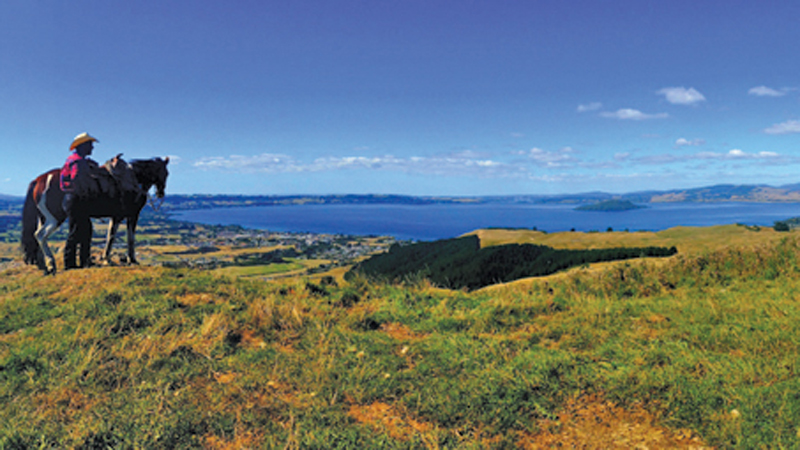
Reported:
(610, 205)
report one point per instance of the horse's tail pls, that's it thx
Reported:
(30, 222)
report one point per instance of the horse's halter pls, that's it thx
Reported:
(155, 202)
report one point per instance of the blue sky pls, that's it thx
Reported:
(407, 96)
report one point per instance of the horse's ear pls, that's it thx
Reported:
(166, 160)
(119, 155)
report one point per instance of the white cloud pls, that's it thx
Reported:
(265, 162)
(551, 159)
(665, 158)
(681, 142)
(632, 114)
(788, 127)
(459, 164)
(534, 163)
(739, 154)
(763, 91)
(594, 106)
(681, 95)
(706, 155)
(731, 155)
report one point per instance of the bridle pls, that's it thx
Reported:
(154, 201)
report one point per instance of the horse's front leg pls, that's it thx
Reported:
(131, 228)
(113, 226)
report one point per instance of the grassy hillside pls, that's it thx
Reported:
(462, 263)
(688, 240)
(699, 349)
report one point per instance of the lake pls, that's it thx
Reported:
(440, 221)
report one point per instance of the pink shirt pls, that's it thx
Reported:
(73, 168)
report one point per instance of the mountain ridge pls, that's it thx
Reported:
(713, 193)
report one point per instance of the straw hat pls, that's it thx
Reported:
(80, 139)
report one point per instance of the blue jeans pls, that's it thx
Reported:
(80, 231)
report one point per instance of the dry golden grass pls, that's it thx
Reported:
(223, 252)
(686, 239)
(589, 422)
(337, 273)
(385, 417)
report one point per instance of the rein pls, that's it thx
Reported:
(155, 202)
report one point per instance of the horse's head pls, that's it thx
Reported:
(152, 172)
(160, 176)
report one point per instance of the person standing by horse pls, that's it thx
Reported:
(78, 185)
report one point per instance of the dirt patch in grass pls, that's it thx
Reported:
(251, 339)
(195, 299)
(388, 418)
(401, 332)
(591, 422)
(588, 422)
(63, 405)
(238, 441)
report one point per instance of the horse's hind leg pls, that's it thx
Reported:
(113, 226)
(131, 228)
(41, 261)
(43, 233)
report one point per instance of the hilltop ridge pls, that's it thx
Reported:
(718, 193)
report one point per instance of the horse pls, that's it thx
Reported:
(43, 214)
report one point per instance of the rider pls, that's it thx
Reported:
(78, 185)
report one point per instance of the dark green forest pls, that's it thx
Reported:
(461, 263)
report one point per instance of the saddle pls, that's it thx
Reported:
(115, 179)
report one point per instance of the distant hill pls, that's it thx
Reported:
(11, 203)
(716, 193)
(729, 192)
(11, 198)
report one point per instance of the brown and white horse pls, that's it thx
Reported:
(43, 213)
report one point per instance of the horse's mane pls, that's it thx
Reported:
(146, 162)
(146, 166)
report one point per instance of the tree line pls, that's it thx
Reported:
(461, 262)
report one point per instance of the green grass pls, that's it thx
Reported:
(166, 358)
(259, 270)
